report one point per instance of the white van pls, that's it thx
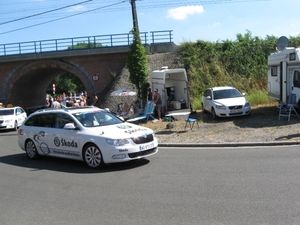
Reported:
(172, 84)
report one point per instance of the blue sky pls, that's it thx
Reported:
(190, 20)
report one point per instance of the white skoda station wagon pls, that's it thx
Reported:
(89, 134)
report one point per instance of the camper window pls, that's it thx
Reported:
(292, 56)
(296, 80)
(274, 71)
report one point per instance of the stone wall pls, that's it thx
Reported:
(155, 62)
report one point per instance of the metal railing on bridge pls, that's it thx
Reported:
(88, 42)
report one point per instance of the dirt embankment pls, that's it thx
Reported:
(262, 125)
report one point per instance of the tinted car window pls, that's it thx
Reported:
(7, 112)
(42, 120)
(207, 93)
(62, 119)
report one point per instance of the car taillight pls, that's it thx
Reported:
(20, 131)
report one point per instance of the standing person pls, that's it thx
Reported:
(89, 101)
(56, 104)
(75, 103)
(95, 99)
(1, 105)
(49, 103)
(157, 102)
(82, 101)
(150, 95)
(9, 105)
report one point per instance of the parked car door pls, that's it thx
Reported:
(21, 115)
(207, 100)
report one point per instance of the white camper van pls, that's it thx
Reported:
(284, 72)
(172, 84)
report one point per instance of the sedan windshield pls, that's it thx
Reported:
(97, 118)
(6, 112)
(228, 93)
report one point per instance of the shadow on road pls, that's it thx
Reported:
(66, 165)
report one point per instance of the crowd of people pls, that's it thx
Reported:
(62, 101)
(8, 105)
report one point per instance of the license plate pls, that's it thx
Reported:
(236, 111)
(146, 146)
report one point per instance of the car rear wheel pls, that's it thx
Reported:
(16, 126)
(31, 150)
(92, 156)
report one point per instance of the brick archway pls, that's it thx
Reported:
(29, 82)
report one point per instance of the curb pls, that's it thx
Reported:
(233, 144)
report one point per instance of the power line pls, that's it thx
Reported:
(111, 8)
(59, 18)
(26, 17)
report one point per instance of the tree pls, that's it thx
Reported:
(137, 66)
(66, 83)
(83, 45)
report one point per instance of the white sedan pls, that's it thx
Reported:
(12, 118)
(225, 102)
(88, 134)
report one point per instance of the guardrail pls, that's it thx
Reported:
(87, 42)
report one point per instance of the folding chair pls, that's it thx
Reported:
(286, 110)
(191, 120)
(149, 110)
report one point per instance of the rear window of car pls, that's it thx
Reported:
(6, 112)
(41, 120)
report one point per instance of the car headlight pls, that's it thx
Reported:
(247, 104)
(220, 106)
(117, 142)
(8, 120)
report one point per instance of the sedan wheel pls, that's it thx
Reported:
(30, 149)
(16, 126)
(203, 110)
(92, 156)
(213, 113)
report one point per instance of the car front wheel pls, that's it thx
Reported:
(31, 150)
(213, 113)
(203, 110)
(92, 156)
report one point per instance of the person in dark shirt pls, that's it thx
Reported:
(150, 95)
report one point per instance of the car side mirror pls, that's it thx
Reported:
(70, 126)
(208, 97)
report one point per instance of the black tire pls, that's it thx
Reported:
(16, 126)
(213, 114)
(92, 156)
(203, 110)
(31, 150)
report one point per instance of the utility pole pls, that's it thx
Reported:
(134, 17)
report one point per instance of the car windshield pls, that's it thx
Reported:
(6, 112)
(96, 118)
(227, 93)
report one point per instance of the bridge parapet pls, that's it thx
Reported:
(90, 42)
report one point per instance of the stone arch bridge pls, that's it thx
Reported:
(25, 78)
